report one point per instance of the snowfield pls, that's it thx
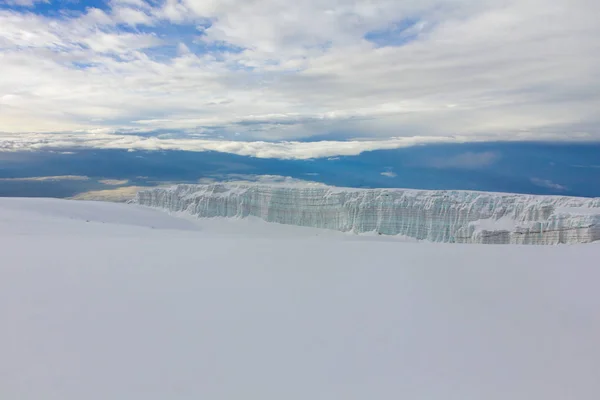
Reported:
(113, 301)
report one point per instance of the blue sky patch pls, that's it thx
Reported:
(58, 7)
(398, 34)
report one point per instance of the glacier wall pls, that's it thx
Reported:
(438, 216)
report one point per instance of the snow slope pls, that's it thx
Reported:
(113, 301)
(438, 216)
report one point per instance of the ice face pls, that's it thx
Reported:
(438, 216)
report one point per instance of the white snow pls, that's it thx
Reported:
(138, 304)
(576, 211)
(505, 223)
(438, 216)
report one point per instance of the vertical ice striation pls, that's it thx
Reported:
(438, 216)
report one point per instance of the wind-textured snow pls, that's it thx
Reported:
(114, 301)
(437, 216)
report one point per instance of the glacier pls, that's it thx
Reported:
(450, 216)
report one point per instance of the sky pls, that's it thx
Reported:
(296, 79)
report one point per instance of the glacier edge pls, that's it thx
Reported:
(437, 216)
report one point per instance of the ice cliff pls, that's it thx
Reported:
(439, 216)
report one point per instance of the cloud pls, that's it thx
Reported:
(47, 178)
(292, 150)
(548, 184)
(468, 160)
(121, 194)
(114, 182)
(269, 70)
(23, 3)
(262, 179)
(586, 166)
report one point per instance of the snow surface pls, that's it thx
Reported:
(438, 216)
(113, 301)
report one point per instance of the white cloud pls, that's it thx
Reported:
(131, 16)
(474, 69)
(47, 178)
(131, 3)
(23, 3)
(121, 43)
(293, 150)
(283, 150)
(546, 183)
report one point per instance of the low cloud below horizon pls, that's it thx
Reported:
(285, 150)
